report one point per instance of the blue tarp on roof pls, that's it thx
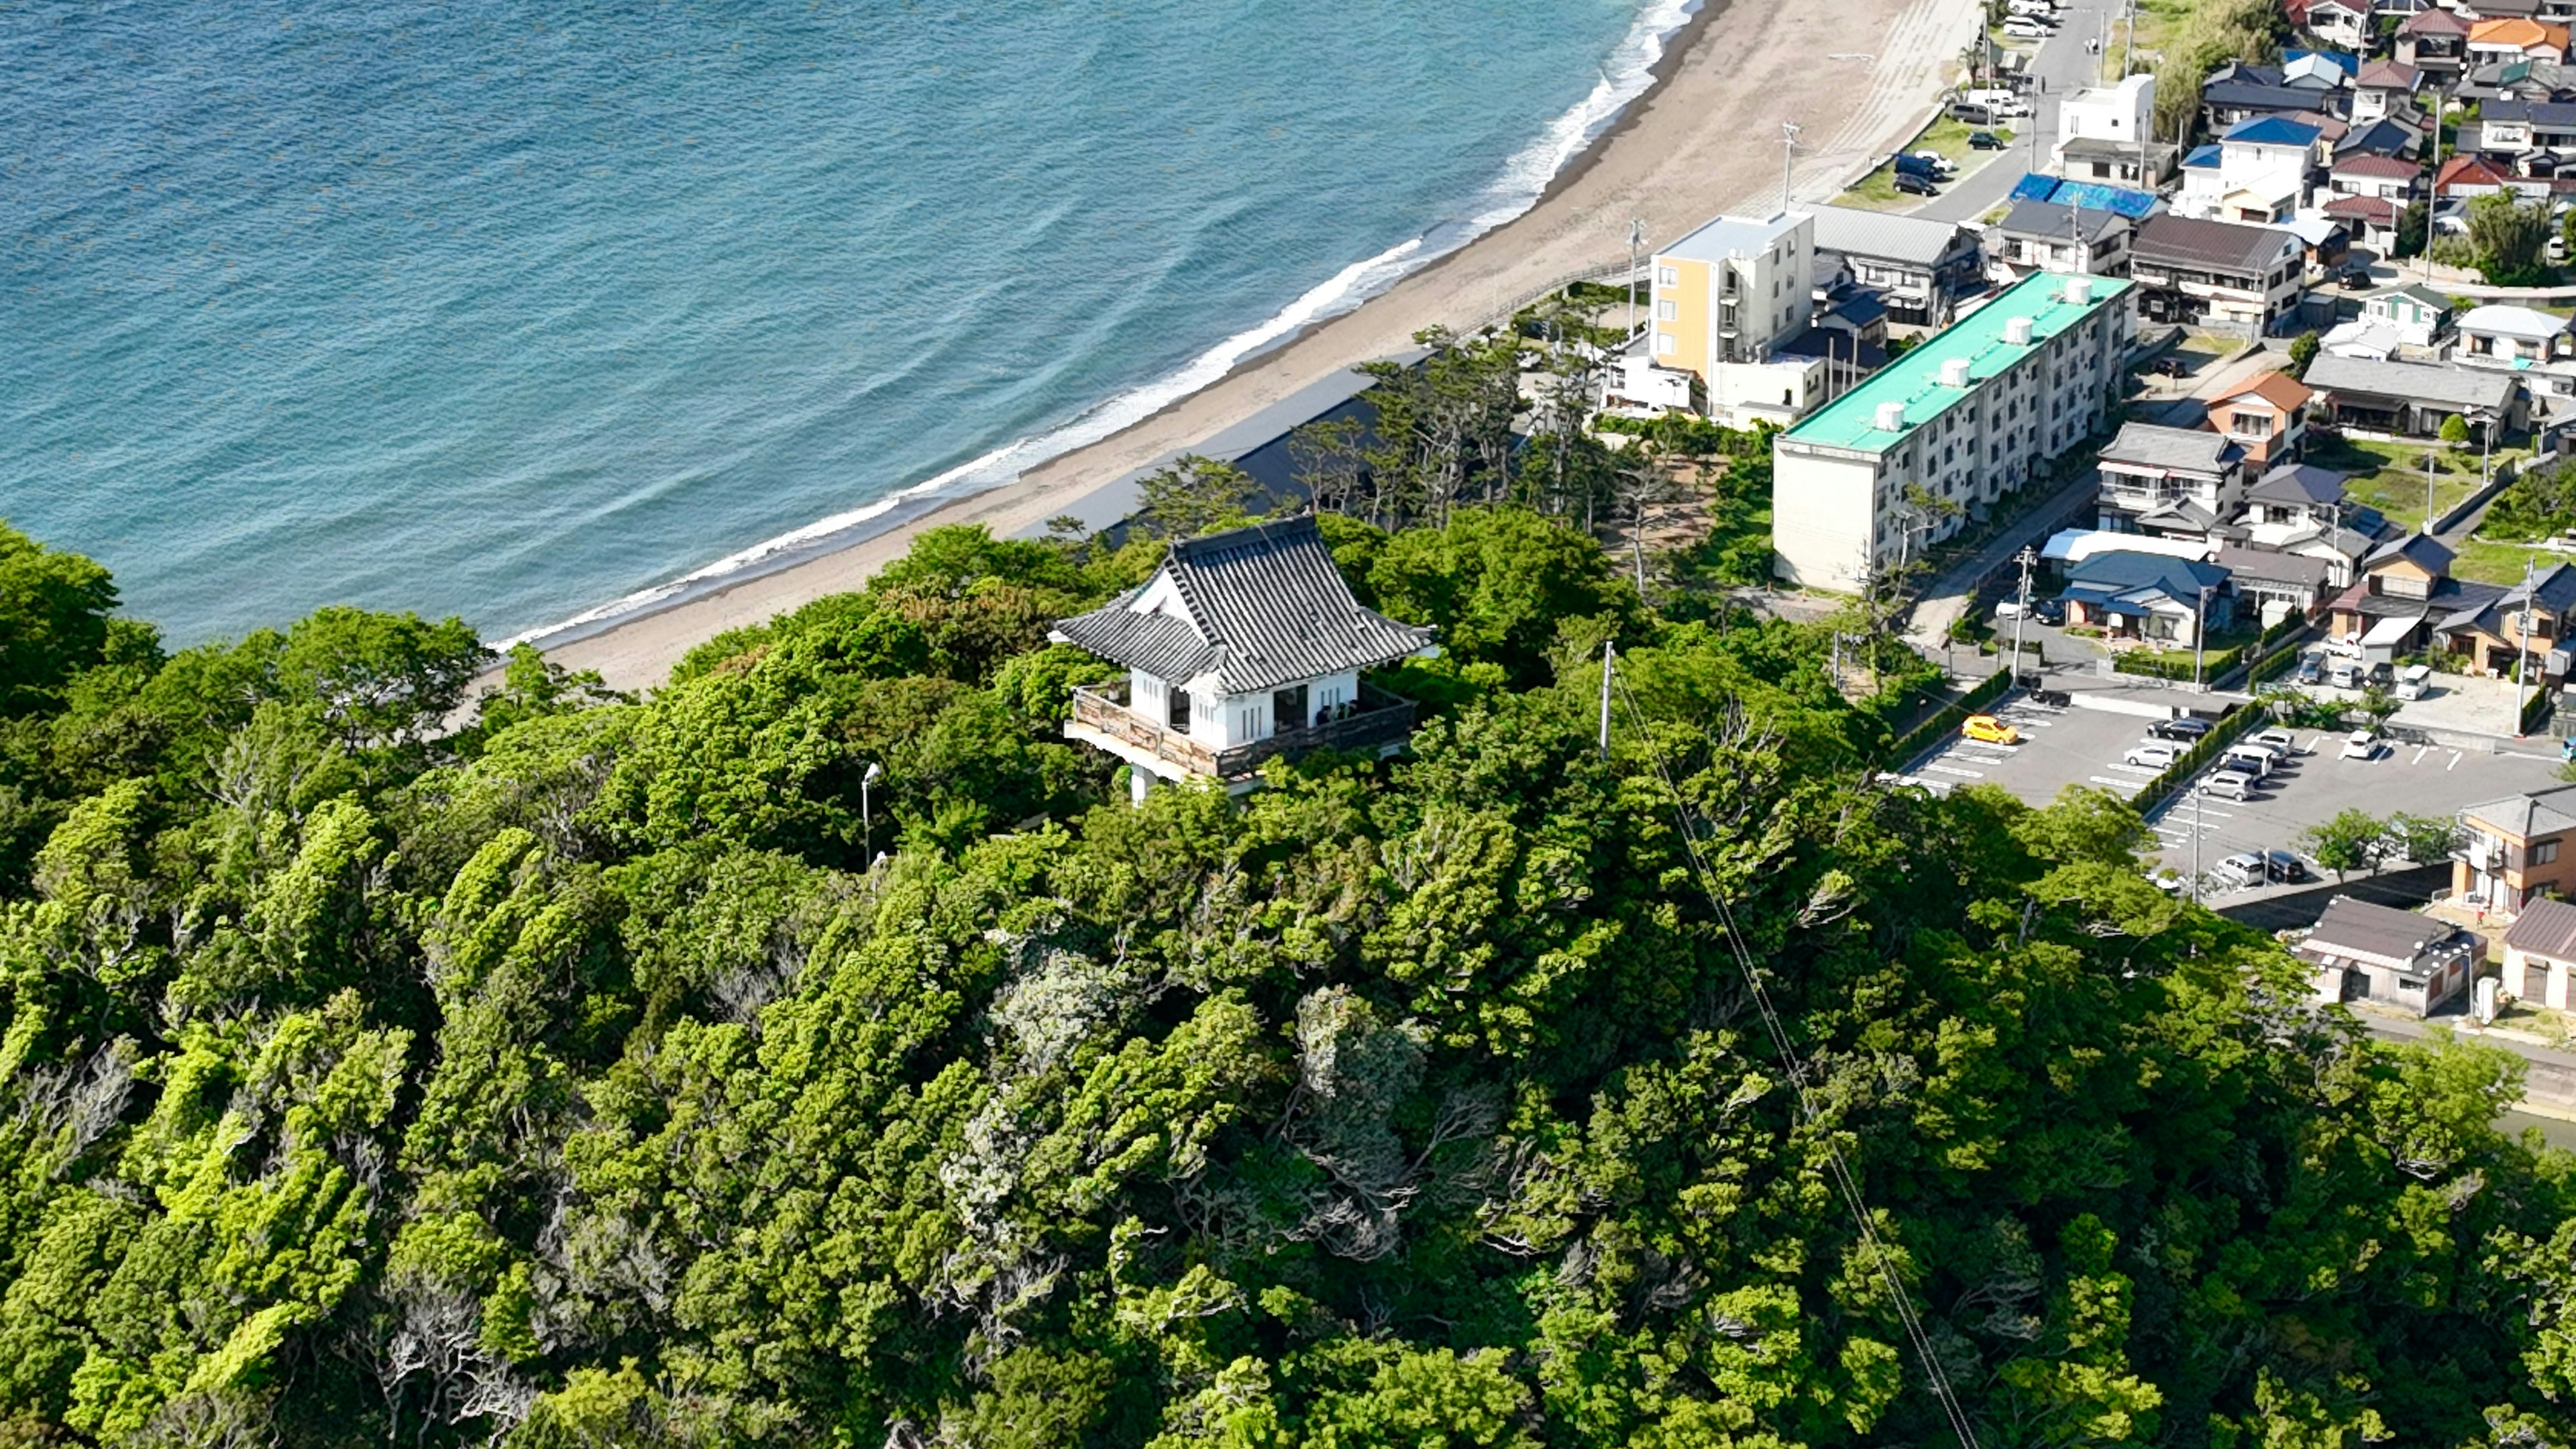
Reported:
(2271, 131)
(2086, 195)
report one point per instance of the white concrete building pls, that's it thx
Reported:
(1968, 415)
(2123, 115)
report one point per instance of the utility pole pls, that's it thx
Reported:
(2199, 636)
(867, 826)
(1636, 242)
(2433, 186)
(2428, 491)
(2199, 798)
(1788, 152)
(2021, 616)
(2522, 667)
(1605, 698)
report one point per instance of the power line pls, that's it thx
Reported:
(1845, 1185)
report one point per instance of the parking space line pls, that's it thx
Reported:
(1955, 770)
(2455, 761)
(2129, 785)
(2420, 752)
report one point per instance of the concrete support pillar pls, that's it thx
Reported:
(1139, 782)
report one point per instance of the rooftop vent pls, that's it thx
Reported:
(1954, 373)
(1891, 417)
(2079, 291)
(2017, 331)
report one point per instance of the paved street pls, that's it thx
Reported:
(1947, 596)
(2060, 65)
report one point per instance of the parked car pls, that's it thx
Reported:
(2281, 865)
(2234, 784)
(2282, 740)
(2049, 611)
(1911, 164)
(1915, 185)
(2272, 756)
(1986, 729)
(2024, 27)
(2152, 756)
(1942, 166)
(2415, 681)
(2248, 762)
(2344, 673)
(2354, 277)
(1972, 113)
(2380, 674)
(2361, 745)
(2312, 667)
(2187, 729)
(2008, 609)
(2247, 869)
(2168, 367)
(1984, 141)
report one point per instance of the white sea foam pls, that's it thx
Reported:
(1523, 179)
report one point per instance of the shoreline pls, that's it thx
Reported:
(1673, 155)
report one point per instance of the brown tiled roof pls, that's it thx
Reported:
(2384, 168)
(2545, 928)
(2277, 388)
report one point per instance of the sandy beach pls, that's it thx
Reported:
(1858, 76)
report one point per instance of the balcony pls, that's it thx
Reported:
(1101, 718)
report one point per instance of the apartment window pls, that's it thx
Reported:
(1664, 345)
(1667, 277)
(1666, 311)
(2544, 851)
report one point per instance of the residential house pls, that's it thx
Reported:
(2147, 597)
(2410, 399)
(2435, 41)
(1918, 266)
(2476, 10)
(2516, 39)
(2320, 70)
(2386, 136)
(2106, 127)
(2169, 480)
(1243, 645)
(2224, 103)
(2300, 511)
(2266, 415)
(2260, 172)
(2372, 221)
(2380, 178)
(2215, 273)
(2467, 177)
(2523, 623)
(2519, 128)
(2517, 850)
(2385, 88)
(2502, 334)
(2365, 952)
(1970, 413)
(2340, 22)
(2401, 587)
(2415, 312)
(2044, 236)
(2272, 585)
(2540, 955)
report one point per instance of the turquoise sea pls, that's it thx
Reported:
(515, 310)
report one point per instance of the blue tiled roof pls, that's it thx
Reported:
(2205, 156)
(2348, 64)
(2271, 131)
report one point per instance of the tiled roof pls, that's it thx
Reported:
(2506, 320)
(2297, 483)
(2363, 208)
(1850, 231)
(2557, 115)
(2270, 131)
(2390, 75)
(2381, 168)
(2277, 388)
(2216, 244)
(2381, 933)
(2177, 450)
(2524, 816)
(2468, 171)
(1265, 607)
(2458, 387)
(2519, 33)
(2274, 567)
(2433, 20)
(2545, 928)
(2051, 222)
(2422, 550)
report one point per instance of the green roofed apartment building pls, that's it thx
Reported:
(1970, 413)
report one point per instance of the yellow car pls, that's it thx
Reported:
(1987, 729)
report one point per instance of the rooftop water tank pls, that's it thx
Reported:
(1891, 417)
(2017, 331)
(2079, 291)
(1954, 373)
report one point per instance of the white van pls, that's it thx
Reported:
(2414, 681)
(2344, 673)
(2022, 27)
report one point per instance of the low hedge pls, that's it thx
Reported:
(1915, 740)
(2232, 726)
(2160, 665)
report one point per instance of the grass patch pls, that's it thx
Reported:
(2493, 561)
(1876, 192)
(2390, 476)
(1945, 137)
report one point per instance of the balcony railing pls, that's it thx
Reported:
(1378, 720)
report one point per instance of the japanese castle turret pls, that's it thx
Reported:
(1243, 645)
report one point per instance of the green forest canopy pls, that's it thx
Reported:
(574, 1078)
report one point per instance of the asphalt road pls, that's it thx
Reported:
(2061, 65)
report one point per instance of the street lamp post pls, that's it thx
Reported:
(867, 825)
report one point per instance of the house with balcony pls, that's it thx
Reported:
(2495, 634)
(2502, 335)
(2516, 38)
(1243, 645)
(2216, 274)
(2516, 850)
(2400, 588)
(2540, 955)
(2436, 41)
(2299, 510)
(2266, 416)
(2169, 481)
(2411, 399)
(2385, 88)
(2365, 952)
(2046, 236)
(2257, 172)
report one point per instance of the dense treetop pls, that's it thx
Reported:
(391, 1058)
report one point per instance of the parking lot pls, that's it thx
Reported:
(2081, 746)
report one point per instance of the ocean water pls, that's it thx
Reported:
(511, 311)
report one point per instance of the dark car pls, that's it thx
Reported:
(2048, 611)
(2281, 865)
(1984, 141)
(2186, 730)
(1909, 164)
(1913, 185)
(2354, 278)
(2168, 367)
(2312, 668)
